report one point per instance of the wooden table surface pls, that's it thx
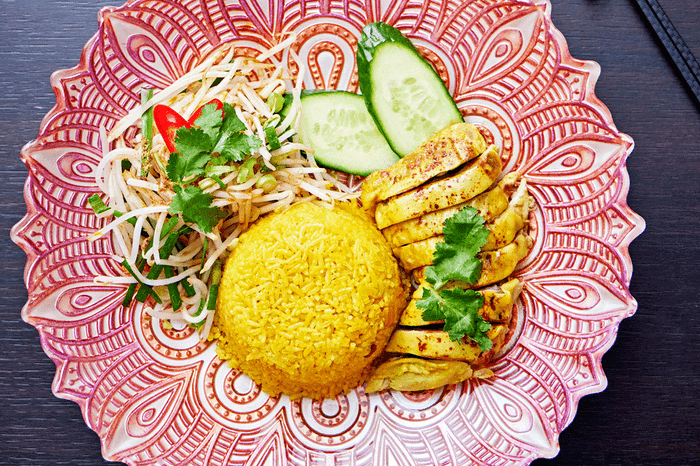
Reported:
(650, 412)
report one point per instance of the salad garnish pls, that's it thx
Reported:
(216, 149)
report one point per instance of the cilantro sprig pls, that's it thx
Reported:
(193, 153)
(213, 136)
(195, 206)
(456, 259)
(216, 138)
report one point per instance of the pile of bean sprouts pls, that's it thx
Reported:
(291, 176)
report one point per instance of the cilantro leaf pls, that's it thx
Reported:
(217, 161)
(191, 142)
(193, 152)
(455, 258)
(210, 121)
(481, 338)
(231, 144)
(462, 316)
(195, 206)
(236, 146)
(431, 303)
(460, 310)
(231, 121)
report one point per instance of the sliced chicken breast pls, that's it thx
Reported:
(496, 265)
(473, 179)
(447, 150)
(498, 305)
(489, 204)
(436, 344)
(411, 374)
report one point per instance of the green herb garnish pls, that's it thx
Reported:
(193, 153)
(272, 140)
(175, 298)
(455, 259)
(215, 140)
(195, 207)
(275, 102)
(246, 171)
(234, 144)
(214, 287)
(218, 181)
(97, 204)
(214, 136)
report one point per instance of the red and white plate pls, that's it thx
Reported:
(161, 397)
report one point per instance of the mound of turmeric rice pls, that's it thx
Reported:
(308, 300)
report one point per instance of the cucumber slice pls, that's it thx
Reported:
(337, 126)
(407, 99)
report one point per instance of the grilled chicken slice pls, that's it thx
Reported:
(418, 254)
(411, 374)
(502, 231)
(473, 179)
(436, 344)
(498, 305)
(489, 204)
(504, 228)
(495, 265)
(447, 150)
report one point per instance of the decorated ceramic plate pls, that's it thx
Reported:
(157, 395)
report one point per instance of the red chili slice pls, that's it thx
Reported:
(198, 113)
(168, 121)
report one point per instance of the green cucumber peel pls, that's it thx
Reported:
(409, 102)
(374, 35)
(343, 135)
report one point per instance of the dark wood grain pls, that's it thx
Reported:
(650, 412)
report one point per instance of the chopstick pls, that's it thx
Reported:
(674, 44)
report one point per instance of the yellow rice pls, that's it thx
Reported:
(308, 300)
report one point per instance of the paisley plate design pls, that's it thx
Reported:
(158, 396)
